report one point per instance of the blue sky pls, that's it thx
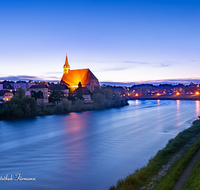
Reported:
(120, 41)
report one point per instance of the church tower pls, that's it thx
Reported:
(66, 66)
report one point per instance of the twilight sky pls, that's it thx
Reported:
(119, 40)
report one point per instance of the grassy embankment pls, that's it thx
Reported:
(194, 181)
(143, 176)
(177, 168)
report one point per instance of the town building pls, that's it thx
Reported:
(5, 95)
(71, 78)
(40, 93)
(20, 84)
(7, 86)
(86, 94)
(1, 86)
(29, 84)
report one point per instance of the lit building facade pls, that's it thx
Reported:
(71, 78)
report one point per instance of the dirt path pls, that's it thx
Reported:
(179, 185)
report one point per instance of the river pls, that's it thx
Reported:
(89, 150)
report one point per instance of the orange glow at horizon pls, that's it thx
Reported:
(158, 94)
(197, 93)
(178, 93)
(136, 94)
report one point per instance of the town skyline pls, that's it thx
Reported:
(121, 42)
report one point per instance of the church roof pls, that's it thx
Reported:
(73, 77)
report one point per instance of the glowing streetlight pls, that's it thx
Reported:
(178, 93)
(136, 94)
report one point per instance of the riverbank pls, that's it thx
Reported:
(166, 97)
(163, 170)
(26, 107)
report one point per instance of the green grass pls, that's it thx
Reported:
(194, 180)
(177, 168)
(144, 175)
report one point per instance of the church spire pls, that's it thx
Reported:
(66, 66)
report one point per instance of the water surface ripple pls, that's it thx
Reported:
(89, 150)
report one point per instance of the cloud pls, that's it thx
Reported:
(54, 73)
(118, 83)
(136, 62)
(28, 77)
(173, 81)
(155, 82)
(110, 69)
(126, 64)
(163, 65)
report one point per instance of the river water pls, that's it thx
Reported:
(89, 150)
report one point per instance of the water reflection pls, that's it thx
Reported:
(178, 118)
(90, 149)
(197, 108)
(136, 102)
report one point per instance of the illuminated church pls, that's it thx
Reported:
(71, 78)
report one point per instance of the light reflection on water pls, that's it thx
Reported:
(89, 150)
(197, 108)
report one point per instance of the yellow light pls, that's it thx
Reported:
(197, 93)
(136, 94)
(197, 85)
(178, 93)
(158, 94)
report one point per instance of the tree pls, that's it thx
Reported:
(98, 98)
(79, 91)
(56, 94)
(20, 93)
(17, 108)
(42, 106)
(37, 95)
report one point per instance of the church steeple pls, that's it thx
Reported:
(66, 66)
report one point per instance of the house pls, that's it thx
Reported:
(29, 84)
(1, 86)
(40, 93)
(62, 87)
(5, 95)
(7, 86)
(20, 84)
(71, 78)
(86, 94)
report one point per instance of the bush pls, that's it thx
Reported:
(63, 107)
(42, 106)
(59, 109)
(19, 107)
(98, 98)
(117, 101)
(65, 104)
(78, 105)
